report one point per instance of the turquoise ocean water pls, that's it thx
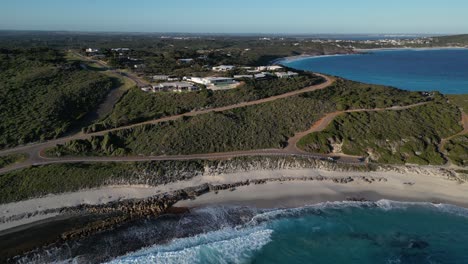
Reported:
(344, 232)
(444, 70)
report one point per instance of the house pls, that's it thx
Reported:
(244, 76)
(223, 68)
(169, 78)
(212, 81)
(286, 74)
(91, 50)
(260, 76)
(139, 66)
(185, 60)
(147, 89)
(175, 87)
(120, 49)
(160, 77)
(268, 68)
(274, 68)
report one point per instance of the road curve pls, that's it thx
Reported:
(34, 150)
(323, 123)
(290, 150)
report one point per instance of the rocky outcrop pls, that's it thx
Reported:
(121, 212)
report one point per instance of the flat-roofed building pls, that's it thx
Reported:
(175, 87)
(223, 68)
(288, 74)
(214, 83)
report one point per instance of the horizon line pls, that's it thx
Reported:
(227, 33)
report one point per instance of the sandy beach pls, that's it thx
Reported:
(286, 188)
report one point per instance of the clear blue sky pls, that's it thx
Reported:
(238, 16)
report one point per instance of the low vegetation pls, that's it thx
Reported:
(11, 159)
(60, 178)
(137, 106)
(345, 94)
(460, 100)
(267, 125)
(405, 136)
(457, 149)
(42, 96)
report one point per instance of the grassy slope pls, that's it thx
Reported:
(457, 149)
(42, 95)
(59, 178)
(409, 136)
(255, 127)
(460, 100)
(453, 39)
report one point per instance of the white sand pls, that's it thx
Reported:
(274, 194)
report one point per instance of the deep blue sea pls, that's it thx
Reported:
(444, 70)
(344, 232)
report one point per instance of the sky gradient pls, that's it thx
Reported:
(238, 16)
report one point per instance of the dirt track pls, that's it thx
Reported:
(35, 150)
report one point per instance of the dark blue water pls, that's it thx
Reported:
(349, 232)
(444, 70)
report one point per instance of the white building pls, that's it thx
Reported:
(120, 49)
(91, 50)
(160, 77)
(169, 78)
(185, 60)
(274, 68)
(211, 80)
(286, 74)
(147, 89)
(223, 68)
(175, 87)
(268, 68)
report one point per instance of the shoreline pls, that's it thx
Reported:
(265, 188)
(290, 59)
(63, 218)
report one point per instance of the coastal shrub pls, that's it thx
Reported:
(60, 178)
(11, 159)
(345, 94)
(460, 100)
(404, 136)
(42, 96)
(38, 181)
(261, 126)
(457, 149)
(266, 125)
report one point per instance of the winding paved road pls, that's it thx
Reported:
(36, 157)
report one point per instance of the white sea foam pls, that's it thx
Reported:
(223, 246)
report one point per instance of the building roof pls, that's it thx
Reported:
(175, 84)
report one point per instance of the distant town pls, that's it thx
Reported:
(204, 69)
(220, 77)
